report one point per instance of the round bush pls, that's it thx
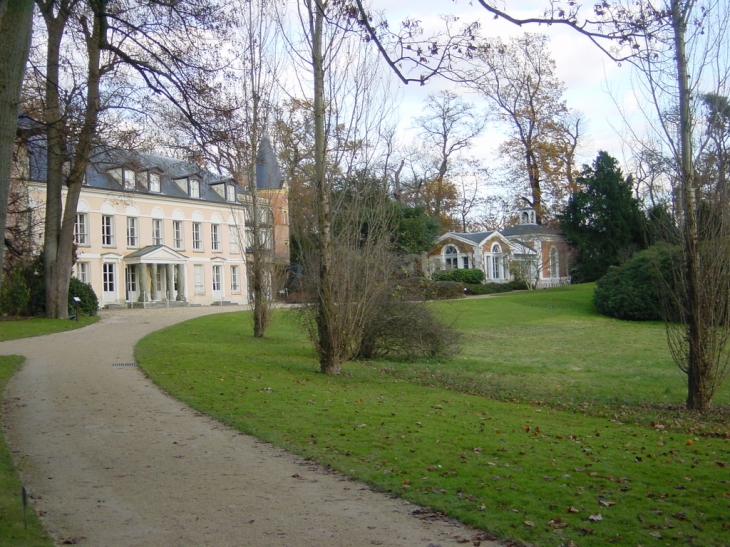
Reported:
(634, 290)
(89, 304)
(470, 276)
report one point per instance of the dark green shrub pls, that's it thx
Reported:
(470, 276)
(634, 290)
(15, 295)
(493, 288)
(420, 288)
(89, 304)
(405, 331)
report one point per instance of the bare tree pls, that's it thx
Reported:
(449, 125)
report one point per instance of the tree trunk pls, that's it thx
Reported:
(15, 30)
(329, 358)
(60, 218)
(698, 395)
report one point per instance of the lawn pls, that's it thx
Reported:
(11, 329)
(530, 471)
(12, 528)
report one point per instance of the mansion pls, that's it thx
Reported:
(538, 254)
(156, 231)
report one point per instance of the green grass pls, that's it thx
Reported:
(552, 348)
(12, 530)
(526, 472)
(11, 329)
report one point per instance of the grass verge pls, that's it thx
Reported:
(12, 329)
(12, 528)
(525, 472)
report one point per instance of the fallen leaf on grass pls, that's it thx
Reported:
(595, 517)
(656, 534)
(572, 509)
(529, 523)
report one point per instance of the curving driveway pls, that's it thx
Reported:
(110, 460)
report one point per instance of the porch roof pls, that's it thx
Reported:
(155, 254)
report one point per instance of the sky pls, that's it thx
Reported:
(595, 85)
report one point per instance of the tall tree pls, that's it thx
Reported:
(447, 126)
(518, 78)
(16, 18)
(602, 219)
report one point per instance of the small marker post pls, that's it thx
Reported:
(25, 506)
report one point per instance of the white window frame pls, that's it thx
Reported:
(197, 236)
(157, 232)
(216, 277)
(128, 179)
(109, 277)
(131, 279)
(233, 235)
(451, 257)
(81, 229)
(199, 278)
(81, 271)
(497, 272)
(155, 183)
(193, 188)
(132, 232)
(215, 237)
(235, 280)
(554, 263)
(178, 240)
(107, 231)
(230, 193)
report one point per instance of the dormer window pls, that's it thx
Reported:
(230, 192)
(193, 188)
(128, 178)
(154, 182)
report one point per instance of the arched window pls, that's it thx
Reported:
(496, 261)
(525, 218)
(451, 257)
(554, 264)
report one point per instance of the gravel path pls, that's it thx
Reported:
(110, 460)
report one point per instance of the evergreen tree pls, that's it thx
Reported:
(602, 219)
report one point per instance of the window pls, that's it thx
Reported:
(128, 176)
(235, 284)
(217, 274)
(131, 279)
(450, 257)
(108, 277)
(554, 265)
(197, 237)
(233, 236)
(230, 192)
(194, 187)
(215, 237)
(156, 231)
(81, 229)
(177, 234)
(132, 240)
(107, 231)
(154, 182)
(82, 272)
(199, 279)
(465, 260)
(496, 260)
(158, 281)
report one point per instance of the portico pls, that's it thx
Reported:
(156, 273)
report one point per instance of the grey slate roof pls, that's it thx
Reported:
(476, 237)
(527, 229)
(268, 175)
(144, 251)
